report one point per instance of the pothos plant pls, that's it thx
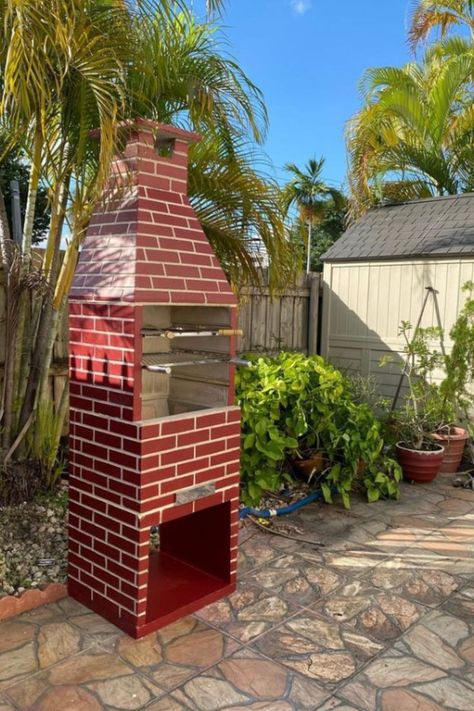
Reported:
(291, 401)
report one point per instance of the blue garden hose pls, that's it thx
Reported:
(283, 510)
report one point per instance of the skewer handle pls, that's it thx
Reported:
(230, 332)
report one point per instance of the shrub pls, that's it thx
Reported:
(292, 402)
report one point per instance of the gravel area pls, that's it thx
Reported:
(33, 544)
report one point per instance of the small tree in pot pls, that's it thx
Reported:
(456, 388)
(424, 410)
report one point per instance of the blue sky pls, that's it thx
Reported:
(307, 56)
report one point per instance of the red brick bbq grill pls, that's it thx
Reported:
(154, 480)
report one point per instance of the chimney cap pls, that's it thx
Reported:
(159, 130)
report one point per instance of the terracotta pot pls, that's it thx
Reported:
(453, 444)
(419, 465)
(306, 467)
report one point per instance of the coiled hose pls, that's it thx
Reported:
(283, 510)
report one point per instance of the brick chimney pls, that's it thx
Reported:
(147, 245)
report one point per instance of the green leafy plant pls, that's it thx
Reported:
(44, 444)
(422, 410)
(292, 402)
(456, 388)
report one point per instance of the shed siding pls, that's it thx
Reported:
(365, 302)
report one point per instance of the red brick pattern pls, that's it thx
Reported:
(122, 487)
(125, 473)
(147, 245)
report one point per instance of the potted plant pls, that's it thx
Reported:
(456, 388)
(422, 412)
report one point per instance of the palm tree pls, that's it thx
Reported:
(441, 15)
(72, 65)
(311, 195)
(414, 135)
(191, 82)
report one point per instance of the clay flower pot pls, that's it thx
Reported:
(453, 442)
(313, 464)
(419, 465)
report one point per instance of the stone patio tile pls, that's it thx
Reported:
(420, 525)
(454, 507)
(72, 608)
(177, 652)
(335, 704)
(409, 504)
(462, 603)
(297, 579)
(428, 587)
(27, 647)
(385, 537)
(5, 705)
(96, 629)
(382, 615)
(47, 613)
(415, 559)
(86, 681)
(444, 641)
(254, 551)
(247, 613)
(323, 650)
(167, 703)
(247, 680)
(400, 682)
(353, 562)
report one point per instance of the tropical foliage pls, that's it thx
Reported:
(68, 66)
(313, 198)
(292, 402)
(440, 16)
(414, 135)
(323, 234)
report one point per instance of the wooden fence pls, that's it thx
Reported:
(288, 321)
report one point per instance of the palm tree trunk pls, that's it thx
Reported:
(308, 256)
(24, 336)
(46, 333)
(4, 234)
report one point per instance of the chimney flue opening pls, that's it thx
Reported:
(165, 146)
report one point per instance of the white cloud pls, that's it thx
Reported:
(300, 6)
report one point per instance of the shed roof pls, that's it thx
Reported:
(433, 227)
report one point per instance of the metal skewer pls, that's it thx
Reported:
(178, 332)
(166, 367)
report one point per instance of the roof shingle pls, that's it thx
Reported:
(433, 227)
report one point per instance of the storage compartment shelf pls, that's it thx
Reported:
(174, 584)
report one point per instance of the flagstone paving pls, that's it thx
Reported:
(379, 618)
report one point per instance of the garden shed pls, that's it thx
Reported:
(376, 276)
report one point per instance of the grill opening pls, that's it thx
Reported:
(186, 358)
(192, 560)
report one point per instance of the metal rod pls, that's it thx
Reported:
(181, 333)
(16, 211)
(167, 367)
(429, 290)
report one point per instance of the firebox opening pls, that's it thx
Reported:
(191, 562)
(185, 357)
